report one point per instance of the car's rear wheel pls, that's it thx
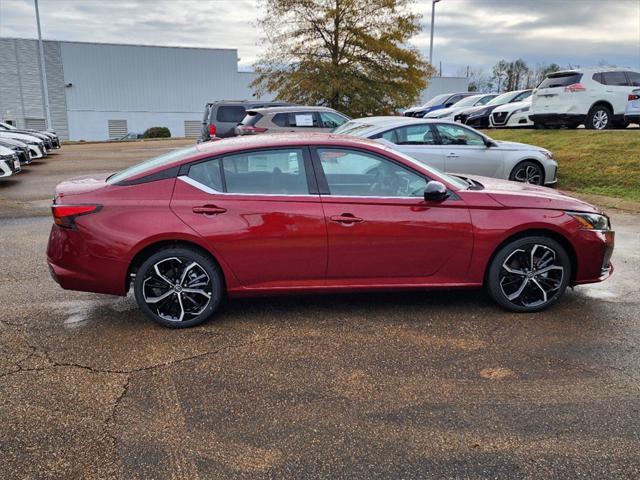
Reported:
(178, 287)
(599, 118)
(529, 274)
(528, 172)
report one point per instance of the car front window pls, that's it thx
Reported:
(454, 135)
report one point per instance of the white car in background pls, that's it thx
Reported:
(36, 145)
(595, 97)
(511, 115)
(632, 112)
(456, 148)
(9, 162)
(472, 101)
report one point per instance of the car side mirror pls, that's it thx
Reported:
(435, 192)
(489, 143)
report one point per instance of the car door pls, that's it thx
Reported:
(381, 231)
(617, 90)
(419, 141)
(465, 151)
(256, 210)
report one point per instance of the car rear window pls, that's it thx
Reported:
(634, 79)
(230, 113)
(561, 80)
(251, 118)
(151, 164)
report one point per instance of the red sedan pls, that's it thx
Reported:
(315, 213)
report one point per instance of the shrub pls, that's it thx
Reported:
(157, 132)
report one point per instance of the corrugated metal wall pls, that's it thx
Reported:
(20, 86)
(90, 84)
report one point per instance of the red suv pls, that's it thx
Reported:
(315, 213)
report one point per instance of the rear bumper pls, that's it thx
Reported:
(74, 267)
(557, 118)
(632, 118)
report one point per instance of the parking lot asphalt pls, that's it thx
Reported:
(402, 385)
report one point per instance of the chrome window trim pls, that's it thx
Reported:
(211, 191)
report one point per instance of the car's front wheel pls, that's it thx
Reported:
(529, 274)
(178, 287)
(528, 172)
(599, 118)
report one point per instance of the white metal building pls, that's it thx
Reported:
(99, 91)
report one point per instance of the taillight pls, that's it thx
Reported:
(575, 87)
(633, 96)
(64, 215)
(212, 130)
(252, 129)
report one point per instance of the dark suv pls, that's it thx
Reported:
(220, 118)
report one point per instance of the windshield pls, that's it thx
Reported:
(7, 126)
(502, 99)
(458, 182)
(437, 100)
(152, 163)
(468, 101)
(358, 129)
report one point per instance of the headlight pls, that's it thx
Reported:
(520, 110)
(547, 154)
(592, 221)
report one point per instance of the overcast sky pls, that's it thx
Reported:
(468, 32)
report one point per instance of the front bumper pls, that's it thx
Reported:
(481, 121)
(560, 119)
(593, 251)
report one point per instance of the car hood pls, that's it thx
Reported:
(470, 110)
(503, 145)
(510, 107)
(522, 195)
(80, 185)
(443, 111)
(20, 136)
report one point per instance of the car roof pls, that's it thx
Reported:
(589, 70)
(248, 142)
(285, 109)
(248, 102)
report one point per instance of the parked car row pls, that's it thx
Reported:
(20, 147)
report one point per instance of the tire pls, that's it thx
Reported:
(515, 286)
(599, 117)
(528, 172)
(179, 304)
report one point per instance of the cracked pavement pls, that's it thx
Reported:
(405, 385)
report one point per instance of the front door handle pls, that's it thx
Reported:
(209, 210)
(452, 155)
(346, 219)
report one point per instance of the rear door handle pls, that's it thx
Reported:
(209, 210)
(346, 219)
(452, 155)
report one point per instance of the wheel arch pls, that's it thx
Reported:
(541, 232)
(533, 160)
(603, 103)
(156, 246)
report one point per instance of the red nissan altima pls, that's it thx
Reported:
(315, 213)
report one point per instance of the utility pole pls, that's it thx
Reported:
(433, 16)
(43, 72)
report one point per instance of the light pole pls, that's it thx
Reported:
(43, 72)
(433, 15)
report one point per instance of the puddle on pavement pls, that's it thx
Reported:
(78, 313)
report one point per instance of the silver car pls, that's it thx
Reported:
(456, 148)
(290, 119)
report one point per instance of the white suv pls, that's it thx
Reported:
(595, 97)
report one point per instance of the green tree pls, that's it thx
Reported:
(351, 55)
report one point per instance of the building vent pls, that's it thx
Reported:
(35, 124)
(192, 128)
(117, 128)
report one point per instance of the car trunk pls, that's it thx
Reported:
(549, 93)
